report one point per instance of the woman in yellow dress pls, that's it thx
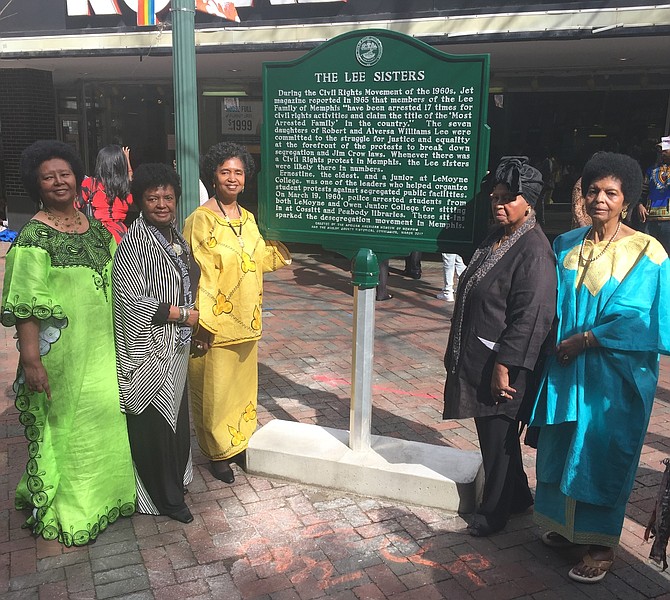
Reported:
(232, 255)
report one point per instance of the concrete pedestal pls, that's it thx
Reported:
(409, 472)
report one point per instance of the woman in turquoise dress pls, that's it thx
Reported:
(598, 389)
(57, 293)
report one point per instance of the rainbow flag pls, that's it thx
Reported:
(146, 15)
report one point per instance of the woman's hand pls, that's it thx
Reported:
(174, 314)
(36, 377)
(193, 317)
(569, 348)
(28, 332)
(500, 387)
(642, 212)
(201, 341)
(126, 153)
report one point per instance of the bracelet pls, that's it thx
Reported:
(182, 315)
(585, 337)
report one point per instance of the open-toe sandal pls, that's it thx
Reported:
(588, 561)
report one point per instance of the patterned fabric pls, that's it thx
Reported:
(224, 382)
(89, 251)
(580, 217)
(152, 362)
(594, 411)
(658, 199)
(483, 260)
(76, 485)
(110, 212)
(224, 398)
(147, 272)
(230, 293)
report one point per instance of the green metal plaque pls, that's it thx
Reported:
(375, 140)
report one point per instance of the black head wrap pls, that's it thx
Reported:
(520, 177)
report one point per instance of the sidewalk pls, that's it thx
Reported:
(272, 540)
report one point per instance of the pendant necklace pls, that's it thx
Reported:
(176, 246)
(590, 260)
(66, 222)
(227, 218)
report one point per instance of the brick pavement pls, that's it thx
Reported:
(267, 539)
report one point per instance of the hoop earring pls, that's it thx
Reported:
(527, 211)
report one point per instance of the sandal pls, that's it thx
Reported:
(588, 561)
(553, 539)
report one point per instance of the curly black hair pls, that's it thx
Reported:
(621, 167)
(220, 153)
(41, 151)
(152, 175)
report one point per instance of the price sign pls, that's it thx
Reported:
(240, 117)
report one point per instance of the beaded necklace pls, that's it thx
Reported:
(66, 222)
(581, 250)
(227, 218)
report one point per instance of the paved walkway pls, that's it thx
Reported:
(268, 539)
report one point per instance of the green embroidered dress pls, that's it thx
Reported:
(79, 475)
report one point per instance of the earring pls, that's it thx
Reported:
(527, 211)
(242, 191)
(624, 213)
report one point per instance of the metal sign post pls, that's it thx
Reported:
(365, 277)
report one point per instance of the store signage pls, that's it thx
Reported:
(241, 117)
(375, 140)
(76, 8)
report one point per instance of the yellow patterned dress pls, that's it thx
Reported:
(224, 382)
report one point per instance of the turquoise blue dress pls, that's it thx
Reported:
(594, 412)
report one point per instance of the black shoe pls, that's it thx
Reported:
(183, 515)
(222, 471)
(412, 274)
(480, 527)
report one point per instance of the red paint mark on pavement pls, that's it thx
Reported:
(458, 567)
(339, 381)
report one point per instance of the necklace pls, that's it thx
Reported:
(581, 250)
(227, 218)
(176, 246)
(66, 222)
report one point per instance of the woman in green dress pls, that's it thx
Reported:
(57, 293)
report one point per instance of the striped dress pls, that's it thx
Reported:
(152, 361)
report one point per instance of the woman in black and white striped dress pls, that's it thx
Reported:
(154, 283)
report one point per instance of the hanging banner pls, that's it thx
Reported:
(225, 10)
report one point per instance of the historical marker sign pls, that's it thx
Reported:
(374, 140)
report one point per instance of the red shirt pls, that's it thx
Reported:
(111, 215)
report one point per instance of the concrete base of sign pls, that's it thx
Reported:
(409, 472)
